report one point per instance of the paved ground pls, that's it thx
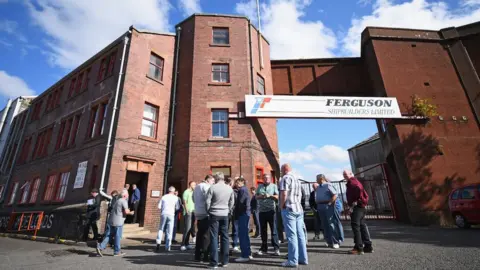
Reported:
(396, 247)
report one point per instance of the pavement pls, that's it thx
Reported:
(397, 246)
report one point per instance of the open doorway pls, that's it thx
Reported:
(139, 179)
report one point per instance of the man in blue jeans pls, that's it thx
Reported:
(292, 214)
(242, 216)
(219, 204)
(116, 220)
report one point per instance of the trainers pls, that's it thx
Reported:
(356, 252)
(316, 238)
(276, 252)
(119, 254)
(223, 265)
(183, 248)
(368, 249)
(189, 247)
(260, 252)
(213, 267)
(288, 264)
(158, 248)
(336, 246)
(194, 239)
(242, 260)
(99, 252)
(236, 250)
(250, 257)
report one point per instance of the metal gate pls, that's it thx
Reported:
(375, 182)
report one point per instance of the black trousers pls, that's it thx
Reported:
(270, 219)
(91, 222)
(202, 242)
(134, 207)
(361, 235)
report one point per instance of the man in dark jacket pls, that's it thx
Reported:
(234, 222)
(93, 214)
(254, 209)
(313, 206)
(357, 199)
(242, 217)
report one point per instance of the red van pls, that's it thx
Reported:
(464, 204)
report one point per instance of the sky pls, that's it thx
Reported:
(42, 40)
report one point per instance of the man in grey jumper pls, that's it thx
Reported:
(219, 203)
(203, 235)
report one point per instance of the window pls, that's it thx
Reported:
(58, 95)
(37, 108)
(25, 192)
(260, 85)
(220, 73)
(258, 175)
(226, 170)
(13, 193)
(106, 66)
(97, 120)
(60, 135)
(468, 193)
(72, 87)
(221, 36)
(220, 123)
(149, 122)
(35, 188)
(50, 188)
(12, 154)
(62, 187)
(42, 143)
(25, 151)
(1, 190)
(78, 86)
(79, 83)
(155, 70)
(66, 134)
(455, 194)
(73, 133)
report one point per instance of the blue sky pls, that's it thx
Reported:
(42, 40)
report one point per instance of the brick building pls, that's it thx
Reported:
(160, 109)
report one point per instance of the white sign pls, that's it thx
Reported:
(155, 193)
(81, 172)
(321, 107)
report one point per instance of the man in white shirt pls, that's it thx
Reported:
(168, 205)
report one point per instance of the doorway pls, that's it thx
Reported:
(140, 179)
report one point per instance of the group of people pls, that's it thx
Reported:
(218, 203)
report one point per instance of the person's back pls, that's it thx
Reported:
(222, 200)
(168, 204)
(117, 215)
(199, 196)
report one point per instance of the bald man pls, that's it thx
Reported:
(313, 205)
(357, 200)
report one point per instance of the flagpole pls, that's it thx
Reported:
(260, 43)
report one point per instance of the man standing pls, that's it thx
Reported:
(254, 209)
(242, 216)
(188, 216)
(177, 218)
(167, 206)
(93, 214)
(313, 206)
(292, 214)
(219, 204)
(203, 240)
(116, 221)
(232, 220)
(267, 196)
(357, 200)
(135, 201)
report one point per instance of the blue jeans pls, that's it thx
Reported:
(218, 227)
(256, 221)
(166, 226)
(330, 220)
(234, 232)
(116, 233)
(297, 245)
(243, 229)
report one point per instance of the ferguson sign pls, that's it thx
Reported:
(321, 107)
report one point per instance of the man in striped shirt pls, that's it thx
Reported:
(292, 215)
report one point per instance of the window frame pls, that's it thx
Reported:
(13, 193)
(50, 188)
(227, 122)
(97, 120)
(35, 190)
(262, 171)
(60, 185)
(221, 72)
(220, 29)
(107, 65)
(154, 122)
(24, 154)
(258, 84)
(25, 192)
(212, 168)
(161, 68)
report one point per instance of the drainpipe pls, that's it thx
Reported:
(112, 123)
(251, 56)
(14, 161)
(260, 44)
(5, 112)
(172, 115)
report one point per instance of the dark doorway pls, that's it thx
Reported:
(141, 180)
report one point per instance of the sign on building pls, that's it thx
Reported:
(81, 172)
(321, 107)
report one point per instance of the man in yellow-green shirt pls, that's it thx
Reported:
(188, 217)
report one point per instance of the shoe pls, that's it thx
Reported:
(368, 249)
(336, 246)
(260, 252)
(174, 242)
(256, 236)
(316, 238)
(99, 252)
(158, 248)
(223, 265)
(183, 248)
(167, 249)
(213, 267)
(242, 260)
(303, 263)
(236, 250)
(288, 264)
(276, 252)
(250, 257)
(194, 239)
(119, 254)
(189, 247)
(356, 252)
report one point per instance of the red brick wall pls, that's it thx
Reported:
(138, 89)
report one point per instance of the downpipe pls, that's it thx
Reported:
(112, 123)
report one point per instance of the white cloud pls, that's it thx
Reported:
(11, 28)
(79, 29)
(289, 33)
(5, 43)
(12, 86)
(190, 6)
(417, 14)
